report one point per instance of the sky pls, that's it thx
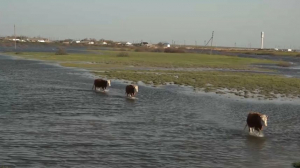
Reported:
(235, 22)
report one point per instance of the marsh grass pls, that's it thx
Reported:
(284, 64)
(61, 51)
(123, 54)
(156, 59)
(244, 83)
(267, 85)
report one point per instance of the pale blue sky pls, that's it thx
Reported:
(239, 21)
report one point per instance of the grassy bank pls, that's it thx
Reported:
(110, 65)
(241, 84)
(151, 59)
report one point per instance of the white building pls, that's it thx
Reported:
(128, 44)
(167, 45)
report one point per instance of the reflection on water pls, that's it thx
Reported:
(50, 117)
(256, 143)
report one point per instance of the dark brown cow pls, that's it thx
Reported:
(100, 83)
(256, 121)
(131, 90)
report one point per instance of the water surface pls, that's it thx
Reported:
(50, 117)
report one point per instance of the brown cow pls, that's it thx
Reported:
(100, 83)
(131, 90)
(256, 121)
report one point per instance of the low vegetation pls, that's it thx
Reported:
(153, 59)
(296, 165)
(61, 51)
(284, 64)
(267, 85)
(264, 52)
(174, 50)
(115, 64)
(123, 54)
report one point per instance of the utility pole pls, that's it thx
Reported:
(15, 37)
(211, 43)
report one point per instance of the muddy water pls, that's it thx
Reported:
(49, 117)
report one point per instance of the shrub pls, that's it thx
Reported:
(174, 50)
(266, 53)
(122, 49)
(158, 50)
(296, 165)
(142, 49)
(61, 51)
(298, 55)
(123, 54)
(18, 52)
(284, 64)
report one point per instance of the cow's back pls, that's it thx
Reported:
(100, 83)
(129, 89)
(254, 120)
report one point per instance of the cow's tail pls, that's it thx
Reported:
(245, 126)
(93, 86)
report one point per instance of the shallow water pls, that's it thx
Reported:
(50, 117)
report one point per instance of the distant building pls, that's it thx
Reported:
(166, 45)
(128, 44)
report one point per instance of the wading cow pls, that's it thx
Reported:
(131, 90)
(100, 83)
(256, 121)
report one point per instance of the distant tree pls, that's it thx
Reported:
(160, 44)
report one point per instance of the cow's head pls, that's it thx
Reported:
(108, 83)
(264, 119)
(136, 88)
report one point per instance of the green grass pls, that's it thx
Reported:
(115, 67)
(150, 59)
(267, 84)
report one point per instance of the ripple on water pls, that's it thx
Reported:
(50, 117)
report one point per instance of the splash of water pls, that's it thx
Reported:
(257, 134)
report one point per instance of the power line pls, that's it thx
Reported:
(15, 37)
